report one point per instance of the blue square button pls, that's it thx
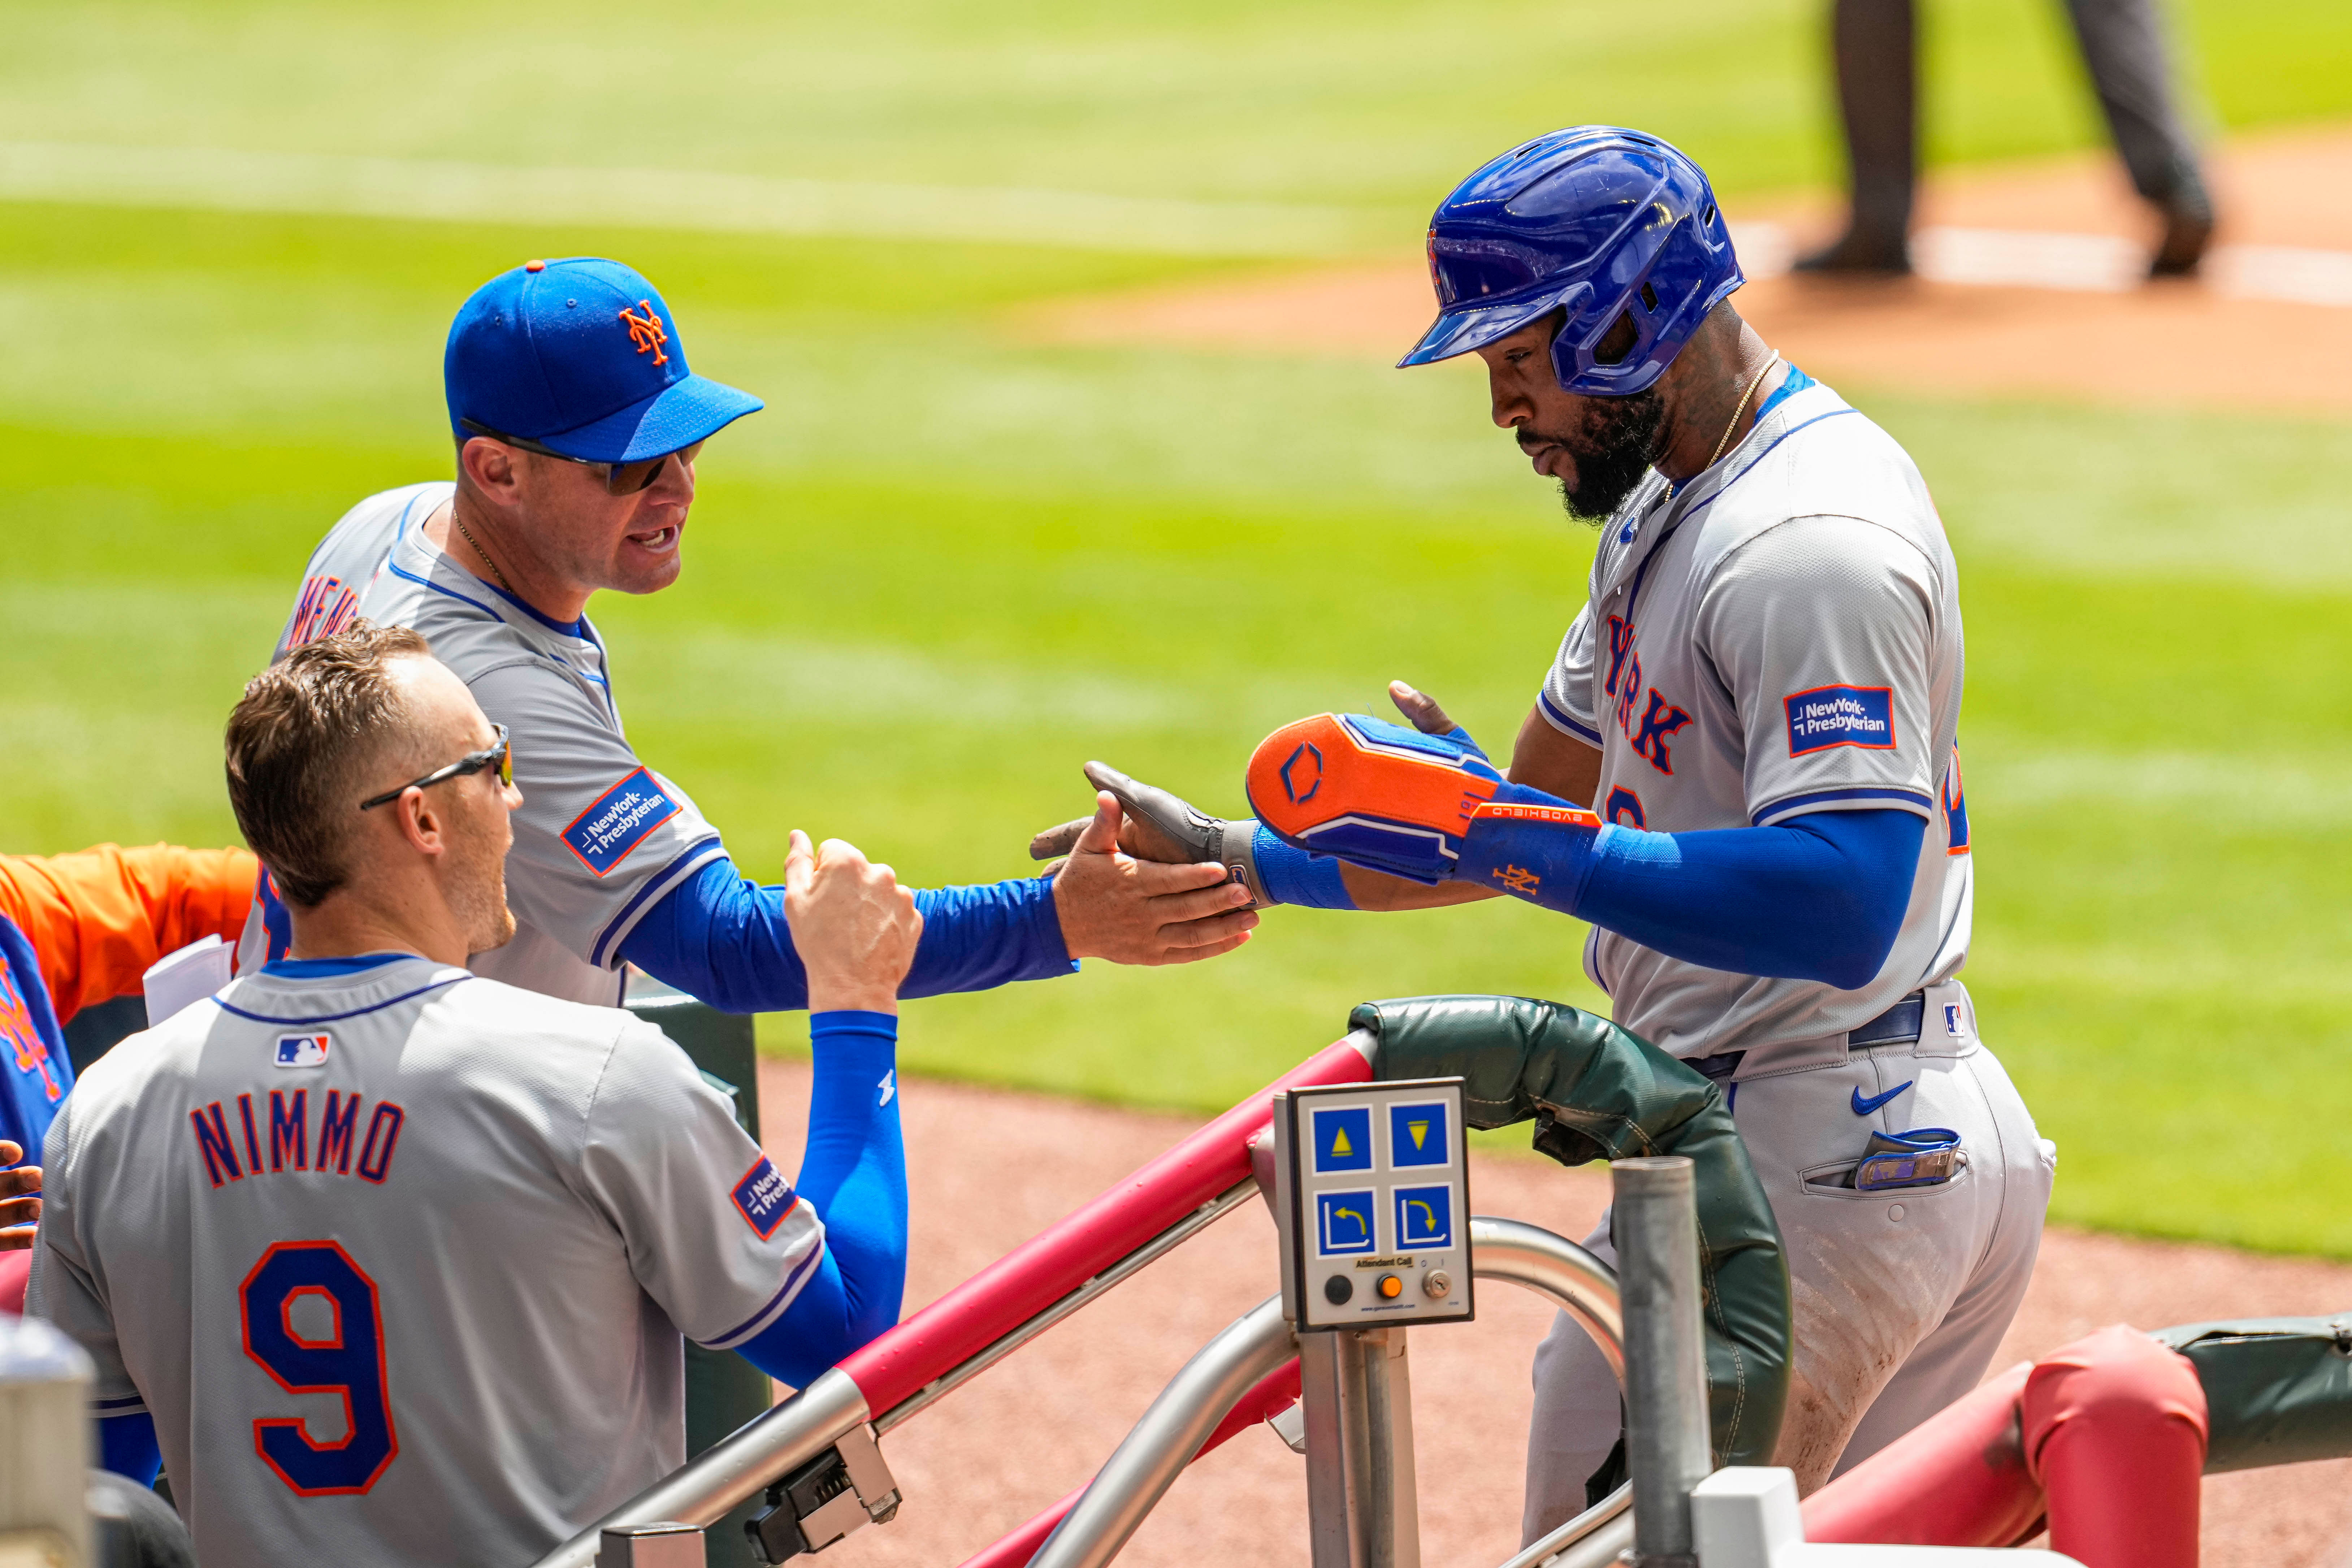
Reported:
(1417, 1135)
(1343, 1138)
(1425, 1217)
(1343, 1223)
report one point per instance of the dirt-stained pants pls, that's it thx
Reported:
(1901, 1297)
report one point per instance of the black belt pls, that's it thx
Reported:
(1899, 1025)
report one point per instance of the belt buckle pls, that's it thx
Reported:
(1922, 1157)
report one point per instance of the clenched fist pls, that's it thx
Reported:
(853, 925)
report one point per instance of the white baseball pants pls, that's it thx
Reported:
(1901, 1297)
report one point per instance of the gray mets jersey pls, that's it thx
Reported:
(1782, 636)
(398, 1259)
(600, 837)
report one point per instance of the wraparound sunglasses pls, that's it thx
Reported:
(620, 478)
(501, 756)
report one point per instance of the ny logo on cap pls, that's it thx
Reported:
(645, 330)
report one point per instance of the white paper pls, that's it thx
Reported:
(189, 975)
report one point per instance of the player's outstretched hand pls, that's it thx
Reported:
(1115, 905)
(18, 1211)
(855, 928)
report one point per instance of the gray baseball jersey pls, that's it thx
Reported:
(600, 837)
(398, 1259)
(1782, 636)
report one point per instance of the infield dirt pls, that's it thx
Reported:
(990, 1169)
(2174, 343)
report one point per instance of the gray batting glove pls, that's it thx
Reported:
(1165, 827)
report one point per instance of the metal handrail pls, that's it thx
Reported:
(1581, 1529)
(1143, 1467)
(1159, 1247)
(830, 1408)
(1190, 1186)
(1155, 1452)
(737, 1468)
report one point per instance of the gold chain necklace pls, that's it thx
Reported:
(459, 524)
(1727, 429)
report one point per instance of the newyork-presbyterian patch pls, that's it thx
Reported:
(619, 821)
(765, 1198)
(1830, 716)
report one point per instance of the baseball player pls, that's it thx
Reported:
(1742, 770)
(578, 425)
(390, 1262)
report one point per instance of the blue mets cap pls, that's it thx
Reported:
(581, 356)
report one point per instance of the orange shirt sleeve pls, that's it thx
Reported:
(100, 917)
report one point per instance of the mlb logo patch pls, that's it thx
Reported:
(619, 821)
(303, 1050)
(764, 1197)
(1830, 716)
(1952, 1025)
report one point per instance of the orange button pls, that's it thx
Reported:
(534, 266)
(1391, 1287)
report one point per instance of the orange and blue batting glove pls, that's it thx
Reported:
(1429, 808)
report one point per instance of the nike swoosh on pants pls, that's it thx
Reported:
(1865, 1107)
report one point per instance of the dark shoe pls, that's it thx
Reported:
(2187, 215)
(1862, 250)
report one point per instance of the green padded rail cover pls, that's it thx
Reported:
(2278, 1391)
(1599, 1093)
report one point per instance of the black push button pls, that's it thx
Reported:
(1337, 1288)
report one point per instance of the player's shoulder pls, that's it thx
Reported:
(149, 1062)
(1821, 459)
(375, 522)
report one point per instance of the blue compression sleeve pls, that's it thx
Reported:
(1292, 876)
(724, 939)
(855, 1175)
(1819, 897)
(127, 1445)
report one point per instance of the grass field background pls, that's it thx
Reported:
(948, 564)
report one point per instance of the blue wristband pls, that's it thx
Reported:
(1292, 876)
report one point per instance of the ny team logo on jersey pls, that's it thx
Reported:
(764, 1197)
(29, 1051)
(1830, 716)
(303, 1050)
(645, 330)
(618, 821)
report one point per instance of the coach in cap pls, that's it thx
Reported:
(578, 425)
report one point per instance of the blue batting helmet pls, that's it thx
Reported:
(1600, 222)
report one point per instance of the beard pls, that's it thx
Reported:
(479, 900)
(1619, 439)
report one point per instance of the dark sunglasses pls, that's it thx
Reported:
(501, 756)
(620, 478)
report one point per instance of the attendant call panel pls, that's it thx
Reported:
(1373, 1200)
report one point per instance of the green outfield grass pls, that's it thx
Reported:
(947, 566)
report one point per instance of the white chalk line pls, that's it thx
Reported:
(217, 180)
(209, 179)
(2082, 263)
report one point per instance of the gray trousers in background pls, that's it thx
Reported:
(2131, 70)
(1876, 43)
